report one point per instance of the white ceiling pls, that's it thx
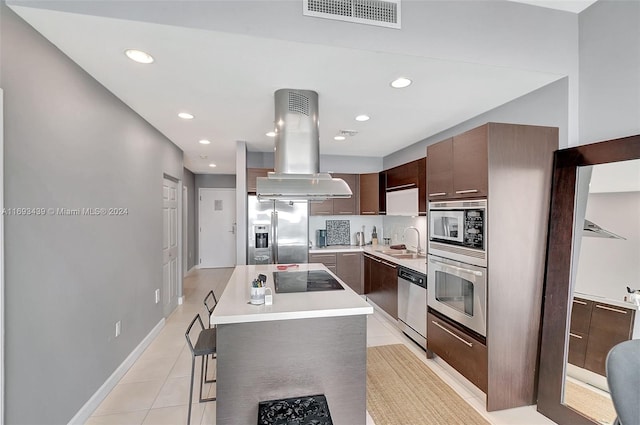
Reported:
(227, 80)
(575, 6)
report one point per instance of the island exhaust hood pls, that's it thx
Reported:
(297, 153)
(595, 231)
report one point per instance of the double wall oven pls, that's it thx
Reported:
(457, 263)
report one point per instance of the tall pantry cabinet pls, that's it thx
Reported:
(511, 166)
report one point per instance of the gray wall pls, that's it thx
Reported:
(216, 181)
(609, 70)
(607, 266)
(69, 143)
(189, 181)
(547, 106)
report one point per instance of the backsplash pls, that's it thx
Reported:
(355, 225)
(394, 228)
(386, 226)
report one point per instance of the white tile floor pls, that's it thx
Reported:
(155, 390)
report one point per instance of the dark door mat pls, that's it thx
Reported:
(308, 410)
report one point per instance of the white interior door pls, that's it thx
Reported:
(216, 217)
(169, 246)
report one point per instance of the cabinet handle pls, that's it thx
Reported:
(438, 194)
(368, 212)
(402, 186)
(345, 212)
(388, 264)
(348, 255)
(451, 333)
(322, 255)
(372, 258)
(611, 309)
(461, 192)
(579, 302)
(574, 335)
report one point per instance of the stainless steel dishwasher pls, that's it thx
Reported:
(412, 305)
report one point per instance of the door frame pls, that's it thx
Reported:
(1, 257)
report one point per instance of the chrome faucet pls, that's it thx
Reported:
(418, 248)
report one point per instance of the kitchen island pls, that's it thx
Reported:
(306, 343)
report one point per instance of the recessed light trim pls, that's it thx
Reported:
(212, 165)
(339, 138)
(204, 142)
(270, 134)
(139, 56)
(186, 115)
(400, 83)
(363, 117)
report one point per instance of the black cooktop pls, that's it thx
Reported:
(306, 281)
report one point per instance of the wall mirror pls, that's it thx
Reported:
(594, 244)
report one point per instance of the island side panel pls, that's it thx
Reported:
(287, 358)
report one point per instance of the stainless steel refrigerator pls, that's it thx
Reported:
(278, 231)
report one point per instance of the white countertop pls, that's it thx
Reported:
(619, 303)
(418, 264)
(234, 307)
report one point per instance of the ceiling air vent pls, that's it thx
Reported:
(370, 12)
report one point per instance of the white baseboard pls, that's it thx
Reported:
(92, 404)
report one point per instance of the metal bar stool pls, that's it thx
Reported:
(210, 302)
(204, 346)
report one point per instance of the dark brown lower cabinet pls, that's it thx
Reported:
(460, 350)
(346, 265)
(610, 325)
(381, 282)
(348, 269)
(595, 329)
(577, 348)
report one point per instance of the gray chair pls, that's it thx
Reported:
(205, 345)
(623, 377)
(210, 302)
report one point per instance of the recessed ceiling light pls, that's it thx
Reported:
(204, 142)
(212, 165)
(138, 56)
(339, 138)
(400, 83)
(271, 134)
(362, 117)
(186, 116)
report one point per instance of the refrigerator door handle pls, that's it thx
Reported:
(274, 239)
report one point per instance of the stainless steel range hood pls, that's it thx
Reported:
(297, 153)
(593, 230)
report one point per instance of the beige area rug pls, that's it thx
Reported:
(590, 403)
(401, 390)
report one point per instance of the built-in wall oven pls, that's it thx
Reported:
(457, 230)
(459, 291)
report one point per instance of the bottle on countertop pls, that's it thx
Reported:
(374, 237)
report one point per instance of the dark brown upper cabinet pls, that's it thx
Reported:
(458, 167)
(369, 194)
(409, 176)
(440, 170)
(470, 163)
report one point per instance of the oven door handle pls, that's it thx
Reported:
(456, 268)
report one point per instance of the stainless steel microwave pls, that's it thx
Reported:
(457, 230)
